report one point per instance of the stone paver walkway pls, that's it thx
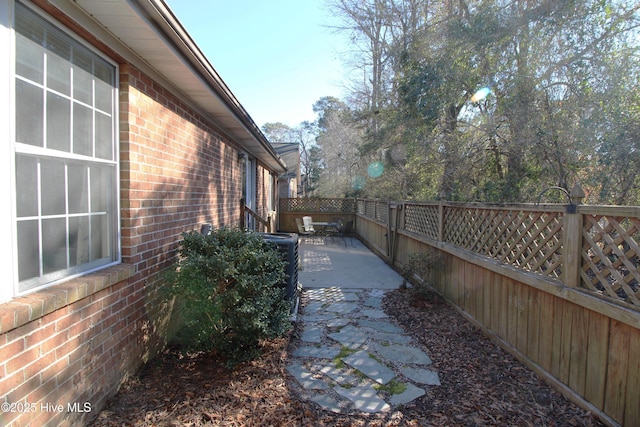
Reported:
(352, 357)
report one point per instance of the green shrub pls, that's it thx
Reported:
(226, 286)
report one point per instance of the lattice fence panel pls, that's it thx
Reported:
(317, 205)
(528, 240)
(382, 211)
(370, 209)
(374, 209)
(610, 257)
(421, 219)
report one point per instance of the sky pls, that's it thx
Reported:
(277, 57)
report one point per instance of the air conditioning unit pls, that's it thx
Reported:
(287, 244)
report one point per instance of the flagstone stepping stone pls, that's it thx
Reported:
(305, 377)
(350, 336)
(342, 307)
(386, 338)
(381, 326)
(313, 307)
(402, 354)
(338, 322)
(373, 302)
(319, 352)
(370, 367)
(364, 398)
(348, 296)
(327, 402)
(375, 314)
(338, 375)
(379, 293)
(311, 334)
(316, 317)
(422, 376)
(411, 393)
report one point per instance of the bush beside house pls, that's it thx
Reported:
(227, 293)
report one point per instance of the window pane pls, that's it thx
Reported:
(82, 77)
(29, 113)
(102, 188)
(82, 130)
(78, 189)
(104, 137)
(28, 254)
(26, 186)
(104, 82)
(65, 103)
(54, 245)
(53, 187)
(100, 238)
(58, 123)
(58, 66)
(29, 45)
(78, 241)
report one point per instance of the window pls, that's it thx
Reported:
(65, 158)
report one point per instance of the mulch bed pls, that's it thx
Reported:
(481, 384)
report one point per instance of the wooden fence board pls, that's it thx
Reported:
(522, 320)
(617, 370)
(579, 339)
(632, 405)
(546, 330)
(487, 293)
(451, 279)
(478, 281)
(471, 284)
(558, 325)
(565, 342)
(597, 359)
(504, 307)
(512, 313)
(457, 291)
(533, 324)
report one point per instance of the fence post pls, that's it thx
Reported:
(440, 221)
(572, 233)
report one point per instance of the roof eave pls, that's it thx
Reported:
(150, 30)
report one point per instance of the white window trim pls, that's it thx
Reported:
(8, 214)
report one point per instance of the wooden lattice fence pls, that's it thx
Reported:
(610, 257)
(528, 240)
(320, 209)
(532, 239)
(557, 285)
(321, 205)
(422, 219)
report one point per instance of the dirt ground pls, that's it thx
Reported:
(481, 384)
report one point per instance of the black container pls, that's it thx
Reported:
(287, 244)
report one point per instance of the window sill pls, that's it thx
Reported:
(22, 310)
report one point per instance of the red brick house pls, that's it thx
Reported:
(119, 136)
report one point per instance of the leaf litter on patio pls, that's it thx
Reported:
(481, 384)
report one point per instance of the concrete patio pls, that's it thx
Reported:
(343, 262)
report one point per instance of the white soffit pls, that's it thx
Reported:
(151, 31)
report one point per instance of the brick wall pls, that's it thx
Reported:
(74, 343)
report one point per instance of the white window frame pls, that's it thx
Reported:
(10, 150)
